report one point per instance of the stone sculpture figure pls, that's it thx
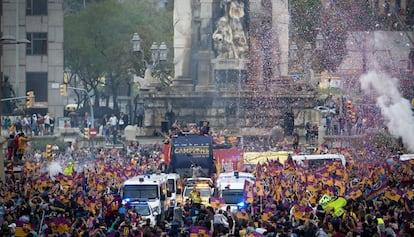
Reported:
(229, 37)
(223, 39)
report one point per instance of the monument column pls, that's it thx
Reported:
(281, 19)
(205, 53)
(182, 43)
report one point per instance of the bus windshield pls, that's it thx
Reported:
(140, 191)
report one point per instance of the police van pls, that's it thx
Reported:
(230, 188)
(151, 188)
(142, 208)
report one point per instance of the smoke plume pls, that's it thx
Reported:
(395, 109)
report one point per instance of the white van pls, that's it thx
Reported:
(299, 159)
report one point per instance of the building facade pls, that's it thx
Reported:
(38, 65)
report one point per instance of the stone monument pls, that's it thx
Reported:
(231, 67)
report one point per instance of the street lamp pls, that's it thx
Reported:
(293, 51)
(159, 53)
(319, 41)
(136, 43)
(307, 49)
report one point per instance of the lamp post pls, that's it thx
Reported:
(159, 54)
(293, 51)
(319, 41)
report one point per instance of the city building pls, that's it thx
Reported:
(38, 64)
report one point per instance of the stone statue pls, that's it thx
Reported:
(148, 80)
(229, 37)
(223, 39)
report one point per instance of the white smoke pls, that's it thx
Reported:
(54, 169)
(394, 108)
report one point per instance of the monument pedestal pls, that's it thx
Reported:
(182, 83)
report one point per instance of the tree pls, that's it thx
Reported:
(98, 42)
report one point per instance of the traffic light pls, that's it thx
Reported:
(63, 90)
(49, 152)
(86, 133)
(351, 111)
(348, 108)
(30, 99)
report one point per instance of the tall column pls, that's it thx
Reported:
(205, 52)
(182, 41)
(281, 19)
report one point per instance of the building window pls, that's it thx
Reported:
(38, 43)
(36, 7)
(37, 82)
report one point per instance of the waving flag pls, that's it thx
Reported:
(23, 228)
(354, 193)
(68, 171)
(217, 202)
(258, 189)
(378, 188)
(392, 194)
(256, 234)
(248, 191)
(199, 231)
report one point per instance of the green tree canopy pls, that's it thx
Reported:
(98, 41)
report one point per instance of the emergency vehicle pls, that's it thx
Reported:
(204, 185)
(313, 160)
(142, 207)
(152, 188)
(230, 188)
(174, 189)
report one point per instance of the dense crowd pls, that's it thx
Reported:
(78, 194)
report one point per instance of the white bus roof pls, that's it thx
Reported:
(236, 174)
(320, 157)
(406, 157)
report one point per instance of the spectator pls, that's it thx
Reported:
(221, 223)
(196, 170)
(140, 113)
(47, 124)
(10, 146)
(52, 125)
(308, 130)
(295, 140)
(123, 122)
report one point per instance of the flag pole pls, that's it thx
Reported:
(261, 203)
